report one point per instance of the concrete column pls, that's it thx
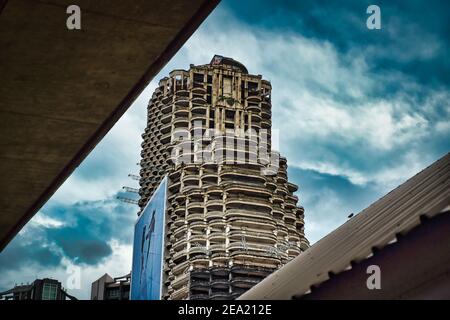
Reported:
(223, 120)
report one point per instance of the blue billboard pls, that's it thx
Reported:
(148, 248)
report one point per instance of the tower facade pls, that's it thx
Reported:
(232, 214)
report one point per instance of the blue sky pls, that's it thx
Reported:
(358, 112)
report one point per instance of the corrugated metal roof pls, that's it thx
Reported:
(425, 194)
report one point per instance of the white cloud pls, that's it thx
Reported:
(41, 220)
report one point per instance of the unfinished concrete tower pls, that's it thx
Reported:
(232, 214)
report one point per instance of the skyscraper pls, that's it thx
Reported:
(232, 214)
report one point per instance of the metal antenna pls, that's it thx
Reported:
(128, 200)
(130, 189)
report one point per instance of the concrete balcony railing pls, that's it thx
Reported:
(198, 225)
(217, 223)
(248, 201)
(252, 236)
(253, 97)
(214, 215)
(194, 217)
(179, 254)
(244, 188)
(197, 87)
(166, 108)
(252, 223)
(291, 187)
(167, 99)
(217, 248)
(179, 232)
(248, 213)
(289, 217)
(198, 100)
(253, 107)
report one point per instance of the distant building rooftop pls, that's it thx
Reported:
(40, 289)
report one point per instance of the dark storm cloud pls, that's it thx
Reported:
(83, 237)
(20, 253)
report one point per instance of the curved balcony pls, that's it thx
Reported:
(179, 245)
(300, 222)
(166, 108)
(181, 111)
(167, 99)
(220, 284)
(304, 244)
(199, 285)
(257, 259)
(178, 223)
(220, 296)
(179, 211)
(179, 281)
(215, 248)
(252, 223)
(271, 184)
(177, 256)
(192, 217)
(166, 138)
(195, 206)
(244, 282)
(191, 181)
(289, 205)
(214, 214)
(198, 99)
(179, 232)
(254, 271)
(266, 113)
(247, 189)
(198, 88)
(254, 97)
(198, 296)
(166, 118)
(181, 101)
(214, 191)
(268, 237)
(291, 187)
(266, 124)
(198, 109)
(180, 123)
(199, 118)
(209, 180)
(281, 190)
(180, 268)
(282, 230)
(174, 187)
(243, 173)
(253, 107)
(198, 225)
(233, 201)
(214, 204)
(242, 213)
(179, 294)
(175, 175)
(217, 223)
(289, 217)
